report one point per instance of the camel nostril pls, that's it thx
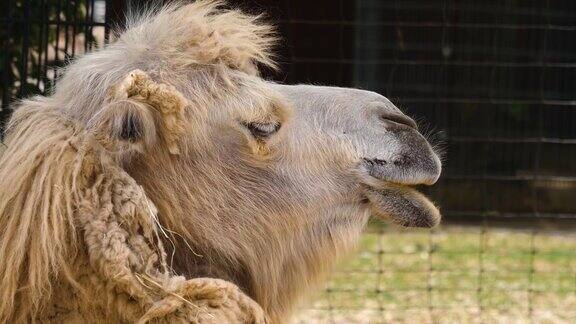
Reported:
(380, 161)
(375, 161)
(400, 119)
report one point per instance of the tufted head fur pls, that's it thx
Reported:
(258, 184)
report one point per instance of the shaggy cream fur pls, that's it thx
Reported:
(81, 219)
(106, 242)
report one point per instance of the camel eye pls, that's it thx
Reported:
(262, 130)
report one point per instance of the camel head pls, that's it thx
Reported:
(258, 183)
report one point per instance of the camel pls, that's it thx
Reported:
(164, 180)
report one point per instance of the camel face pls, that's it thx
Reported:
(301, 154)
(312, 154)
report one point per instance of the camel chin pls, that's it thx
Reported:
(402, 205)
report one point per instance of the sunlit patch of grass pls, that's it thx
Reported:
(452, 275)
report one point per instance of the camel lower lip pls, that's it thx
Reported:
(402, 205)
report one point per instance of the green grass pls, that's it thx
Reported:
(452, 274)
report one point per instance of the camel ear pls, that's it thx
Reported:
(140, 113)
(125, 125)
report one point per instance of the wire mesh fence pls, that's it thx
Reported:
(496, 77)
(455, 274)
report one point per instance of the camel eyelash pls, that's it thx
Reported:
(261, 130)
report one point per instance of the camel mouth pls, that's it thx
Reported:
(402, 205)
(388, 188)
